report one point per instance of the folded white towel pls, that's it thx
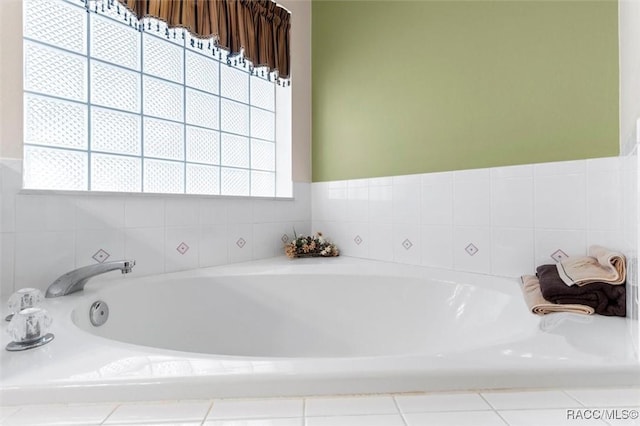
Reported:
(602, 265)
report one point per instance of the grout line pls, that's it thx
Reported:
(207, 413)
(111, 413)
(454, 225)
(572, 397)
(304, 408)
(395, 402)
(304, 411)
(534, 225)
(501, 418)
(486, 400)
(4, 419)
(490, 266)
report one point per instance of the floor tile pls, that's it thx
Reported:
(374, 420)
(459, 418)
(255, 408)
(33, 415)
(257, 422)
(529, 399)
(7, 411)
(607, 397)
(441, 402)
(168, 411)
(167, 423)
(555, 417)
(617, 407)
(347, 406)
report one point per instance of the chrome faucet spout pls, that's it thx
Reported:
(75, 280)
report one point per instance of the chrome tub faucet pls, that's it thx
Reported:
(75, 280)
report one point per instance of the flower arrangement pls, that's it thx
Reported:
(310, 246)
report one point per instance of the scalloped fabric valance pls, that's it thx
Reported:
(258, 28)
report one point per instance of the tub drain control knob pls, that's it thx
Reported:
(98, 313)
(28, 328)
(23, 299)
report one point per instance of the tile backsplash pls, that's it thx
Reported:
(630, 219)
(44, 235)
(502, 221)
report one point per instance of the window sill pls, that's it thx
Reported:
(56, 192)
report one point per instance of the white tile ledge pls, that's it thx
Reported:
(145, 195)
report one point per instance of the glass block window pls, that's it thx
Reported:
(116, 104)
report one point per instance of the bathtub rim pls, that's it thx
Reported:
(292, 376)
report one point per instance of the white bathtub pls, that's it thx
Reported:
(307, 327)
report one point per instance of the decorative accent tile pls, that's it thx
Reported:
(357, 240)
(407, 244)
(100, 256)
(285, 238)
(471, 249)
(559, 255)
(182, 248)
(241, 242)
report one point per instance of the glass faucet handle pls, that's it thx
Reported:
(23, 299)
(29, 325)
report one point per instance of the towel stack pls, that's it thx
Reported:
(582, 284)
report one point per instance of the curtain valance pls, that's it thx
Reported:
(259, 27)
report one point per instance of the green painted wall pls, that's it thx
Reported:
(403, 87)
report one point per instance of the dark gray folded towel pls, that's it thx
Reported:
(604, 298)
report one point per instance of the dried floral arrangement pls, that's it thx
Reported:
(311, 246)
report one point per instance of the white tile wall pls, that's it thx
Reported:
(42, 255)
(378, 241)
(407, 244)
(406, 203)
(512, 197)
(7, 259)
(110, 240)
(437, 199)
(512, 251)
(213, 245)
(502, 221)
(146, 247)
(95, 212)
(472, 198)
(181, 247)
(472, 249)
(437, 246)
(515, 217)
(560, 201)
(44, 235)
(630, 217)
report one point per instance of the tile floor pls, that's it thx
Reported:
(499, 408)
